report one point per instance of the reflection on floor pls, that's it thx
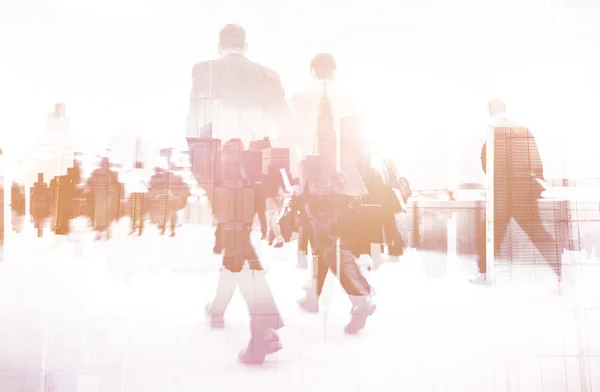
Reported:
(121, 319)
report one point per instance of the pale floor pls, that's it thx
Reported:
(122, 320)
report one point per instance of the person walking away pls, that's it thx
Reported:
(518, 170)
(328, 207)
(17, 204)
(233, 97)
(168, 194)
(106, 192)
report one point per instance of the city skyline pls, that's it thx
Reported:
(424, 72)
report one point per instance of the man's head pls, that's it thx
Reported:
(496, 107)
(323, 67)
(232, 38)
(162, 164)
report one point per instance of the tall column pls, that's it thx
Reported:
(5, 184)
(489, 205)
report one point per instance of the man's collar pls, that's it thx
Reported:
(501, 119)
(232, 53)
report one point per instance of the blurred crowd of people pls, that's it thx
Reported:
(101, 199)
(301, 167)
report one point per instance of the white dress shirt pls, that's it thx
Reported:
(502, 120)
(305, 110)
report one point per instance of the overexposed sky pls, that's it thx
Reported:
(423, 68)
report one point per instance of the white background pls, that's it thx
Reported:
(424, 70)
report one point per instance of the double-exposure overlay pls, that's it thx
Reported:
(405, 195)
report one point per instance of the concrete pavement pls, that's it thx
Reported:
(123, 319)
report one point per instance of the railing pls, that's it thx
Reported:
(572, 219)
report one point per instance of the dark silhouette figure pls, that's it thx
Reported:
(106, 192)
(17, 206)
(138, 207)
(260, 197)
(260, 207)
(518, 168)
(238, 84)
(62, 207)
(78, 197)
(393, 237)
(68, 201)
(167, 194)
(75, 172)
(40, 204)
(332, 200)
(241, 266)
(248, 99)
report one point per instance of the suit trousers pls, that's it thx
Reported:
(253, 285)
(272, 217)
(351, 277)
(527, 215)
(328, 227)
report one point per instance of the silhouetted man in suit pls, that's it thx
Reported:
(304, 108)
(243, 100)
(518, 170)
(106, 192)
(233, 97)
(17, 204)
(331, 186)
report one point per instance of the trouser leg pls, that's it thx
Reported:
(303, 239)
(134, 212)
(272, 214)
(351, 278)
(265, 318)
(262, 219)
(226, 286)
(173, 221)
(142, 213)
(353, 281)
(260, 209)
(531, 223)
(264, 314)
(393, 237)
(501, 221)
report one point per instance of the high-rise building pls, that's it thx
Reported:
(53, 152)
(4, 208)
(58, 122)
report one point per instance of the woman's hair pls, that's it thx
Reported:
(323, 66)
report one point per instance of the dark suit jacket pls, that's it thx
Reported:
(239, 83)
(106, 192)
(517, 163)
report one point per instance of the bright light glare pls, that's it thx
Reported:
(380, 140)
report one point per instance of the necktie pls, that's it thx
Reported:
(325, 140)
